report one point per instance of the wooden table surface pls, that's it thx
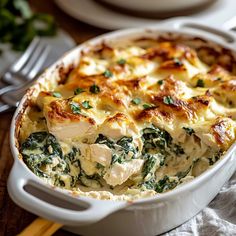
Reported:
(14, 219)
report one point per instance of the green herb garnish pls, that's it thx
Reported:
(121, 61)
(107, 73)
(78, 91)
(146, 105)
(136, 101)
(19, 25)
(75, 107)
(56, 95)
(86, 105)
(160, 82)
(168, 100)
(94, 89)
(200, 83)
(189, 130)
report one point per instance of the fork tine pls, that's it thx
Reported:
(4, 107)
(26, 55)
(38, 64)
(33, 58)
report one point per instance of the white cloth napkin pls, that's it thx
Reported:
(217, 219)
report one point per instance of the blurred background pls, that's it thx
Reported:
(61, 24)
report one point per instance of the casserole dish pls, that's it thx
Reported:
(149, 216)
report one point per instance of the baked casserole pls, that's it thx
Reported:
(133, 119)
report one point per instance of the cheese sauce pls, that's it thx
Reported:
(132, 120)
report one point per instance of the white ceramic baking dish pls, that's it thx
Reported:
(150, 216)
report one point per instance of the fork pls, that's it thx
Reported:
(24, 69)
(13, 94)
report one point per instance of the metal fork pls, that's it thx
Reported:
(24, 69)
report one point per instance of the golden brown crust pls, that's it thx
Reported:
(222, 131)
(60, 111)
(165, 76)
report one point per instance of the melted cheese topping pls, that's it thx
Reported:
(132, 121)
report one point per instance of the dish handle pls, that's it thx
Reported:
(57, 205)
(189, 25)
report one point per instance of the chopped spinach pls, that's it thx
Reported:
(136, 101)
(165, 184)
(215, 157)
(121, 61)
(99, 166)
(94, 89)
(107, 73)
(200, 83)
(56, 95)
(149, 165)
(177, 149)
(123, 150)
(86, 105)
(156, 140)
(147, 106)
(154, 137)
(51, 143)
(189, 130)
(78, 91)
(168, 100)
(150, 184)
(104, 140)
(41, 149)
(58, 181)
(34, 141)
(90, 180)
(38, 150)
(75, 107)
(162, 185)
(72, 155)
(127, 144)
(116, 158)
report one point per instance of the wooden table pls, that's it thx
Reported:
(14, 219)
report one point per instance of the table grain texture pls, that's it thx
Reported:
(14, 219)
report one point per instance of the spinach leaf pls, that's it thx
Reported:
(215, 157)
(189, 130)
(162, 185)
(92, 181)
(104, 140)
(165, 184)
(108, 73)
(123, 150)
(136, 101)
(38, 150)
(177, 149)
(127, 144)
(153, 138)
(149, 165)
(117, 158)
(94, 89)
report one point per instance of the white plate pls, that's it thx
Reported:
(60, 44)
(96, 14)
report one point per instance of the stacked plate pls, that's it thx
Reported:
(121, 14)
